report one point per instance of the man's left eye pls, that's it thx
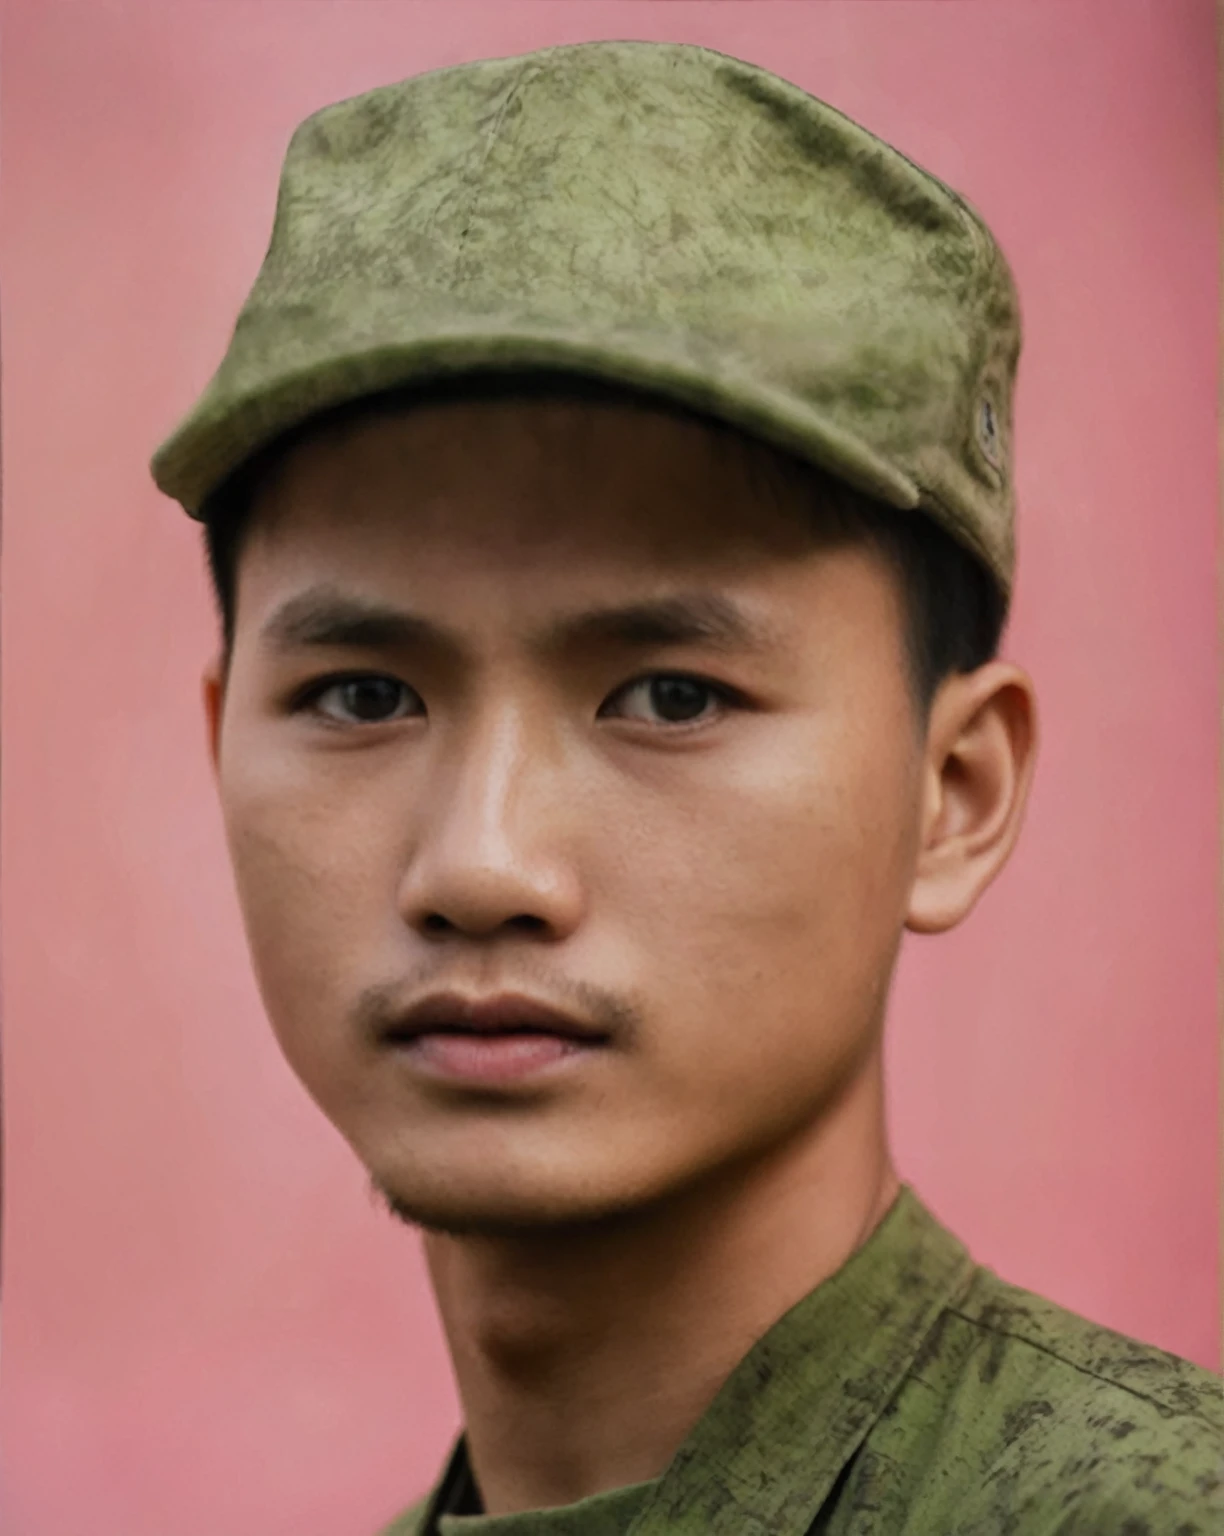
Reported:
(670, 699)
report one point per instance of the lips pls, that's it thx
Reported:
(490, 1043)
(508, 1014)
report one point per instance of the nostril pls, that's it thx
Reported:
(525, 922)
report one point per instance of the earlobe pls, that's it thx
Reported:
(980, 753)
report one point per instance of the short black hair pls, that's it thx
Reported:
(954, 608)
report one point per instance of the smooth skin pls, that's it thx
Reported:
(521, 797)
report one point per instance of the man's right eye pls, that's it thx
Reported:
(361, 699)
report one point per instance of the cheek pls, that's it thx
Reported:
(310, 866)
(772, 905)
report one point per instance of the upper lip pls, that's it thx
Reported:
(506, 1013)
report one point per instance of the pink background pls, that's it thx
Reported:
(208, 1328)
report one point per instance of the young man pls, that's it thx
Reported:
(608, 492)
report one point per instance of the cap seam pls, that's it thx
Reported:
(477, 184)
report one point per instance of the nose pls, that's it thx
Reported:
(490, 857)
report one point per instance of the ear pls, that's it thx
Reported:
(981, 745)
(213, 686)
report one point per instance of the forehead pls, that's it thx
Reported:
(617, 480)
(556, 524)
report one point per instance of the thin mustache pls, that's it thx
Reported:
(383, 1008)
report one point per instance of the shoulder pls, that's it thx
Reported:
(1022, 1332)
(1091, 1431)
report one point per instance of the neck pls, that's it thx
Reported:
(585, 1357)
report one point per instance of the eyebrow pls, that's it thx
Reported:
(326, 617)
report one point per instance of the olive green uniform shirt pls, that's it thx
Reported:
(914, 1392)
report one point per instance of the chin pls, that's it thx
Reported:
(471, 1209)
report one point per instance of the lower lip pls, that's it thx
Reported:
(493, 1058)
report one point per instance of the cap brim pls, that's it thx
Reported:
(232, 424)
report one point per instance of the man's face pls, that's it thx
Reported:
(615, 735)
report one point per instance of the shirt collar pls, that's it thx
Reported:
(766, 1454)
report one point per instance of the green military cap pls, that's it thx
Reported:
(655, 215)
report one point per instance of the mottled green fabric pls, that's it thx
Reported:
(916, 1394)
(660, 216)
(603, 1514)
